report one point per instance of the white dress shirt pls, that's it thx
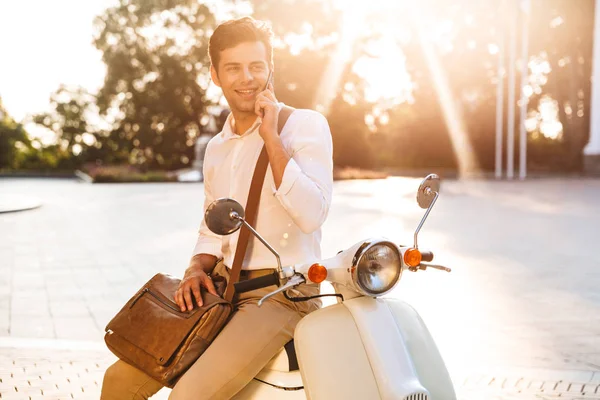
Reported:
(290, 217)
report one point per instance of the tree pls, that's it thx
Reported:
(14, 141)
(157, 75)
(305, 39)
(565, 38)
(77, 141)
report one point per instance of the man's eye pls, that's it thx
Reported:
(258, 67)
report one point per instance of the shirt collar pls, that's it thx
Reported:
(228, 131)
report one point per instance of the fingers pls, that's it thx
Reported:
(192, 287)
(262, 99)
(197, 294)
(257, 108)
(267, 94)
(183, 295)
(179, 299)
(262, 106)
(188, 298)
(210, 286)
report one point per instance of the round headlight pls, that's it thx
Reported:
(378, 268)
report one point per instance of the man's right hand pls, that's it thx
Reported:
(193, 280)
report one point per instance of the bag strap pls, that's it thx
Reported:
(252, 207)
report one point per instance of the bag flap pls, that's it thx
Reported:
(153, 322)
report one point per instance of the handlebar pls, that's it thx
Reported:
(427, 256)
(257, 283)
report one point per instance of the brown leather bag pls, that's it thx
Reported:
(154, 335)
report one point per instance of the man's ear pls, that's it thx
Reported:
(214, 76)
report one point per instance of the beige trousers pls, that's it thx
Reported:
(245, 345)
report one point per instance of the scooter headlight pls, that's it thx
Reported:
(377, 268)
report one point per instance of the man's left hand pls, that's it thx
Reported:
(266, 107)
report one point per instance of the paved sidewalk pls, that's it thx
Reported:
(523, 292)
(54, 369)
(52, 372)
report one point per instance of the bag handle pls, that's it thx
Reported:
(258, 179)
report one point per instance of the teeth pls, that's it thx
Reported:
(246, 91)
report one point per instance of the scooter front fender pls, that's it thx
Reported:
(424, 353)
(369, 348)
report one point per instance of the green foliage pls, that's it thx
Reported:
(566, 42)
(15, 145)
(461, 34)
(157, 74)
(298, 71)
(71, 111)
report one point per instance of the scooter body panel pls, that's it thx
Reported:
(355, 350)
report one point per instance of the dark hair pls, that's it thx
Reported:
(233, 32)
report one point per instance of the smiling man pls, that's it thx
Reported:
(294, 203)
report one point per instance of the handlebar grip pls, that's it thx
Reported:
(257, 283)
(427, 256)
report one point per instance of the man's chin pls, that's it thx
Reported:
(245, 107)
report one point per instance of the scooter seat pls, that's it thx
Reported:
(285, 360)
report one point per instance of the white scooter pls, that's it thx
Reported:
(365, 347)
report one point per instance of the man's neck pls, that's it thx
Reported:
(243, 121)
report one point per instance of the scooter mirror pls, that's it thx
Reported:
(225, 216)
(220, 216)
(427, 190)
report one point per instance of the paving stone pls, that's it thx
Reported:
(32, 326)
(69, 308)
(83, 328)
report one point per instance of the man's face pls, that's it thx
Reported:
(242, 73)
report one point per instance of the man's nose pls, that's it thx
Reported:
(247, 75)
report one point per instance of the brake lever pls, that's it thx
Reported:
(425, 265)
(294, 281)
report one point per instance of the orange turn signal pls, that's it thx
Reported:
(317, 273)
(412, 257)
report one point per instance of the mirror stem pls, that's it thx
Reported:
(425, 216)
(279, 268)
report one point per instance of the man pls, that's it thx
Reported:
(294, 203)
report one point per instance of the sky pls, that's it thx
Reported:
(44, 44)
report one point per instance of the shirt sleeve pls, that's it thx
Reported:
(307, 184)
(208, 242)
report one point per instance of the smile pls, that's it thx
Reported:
(245, 93)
